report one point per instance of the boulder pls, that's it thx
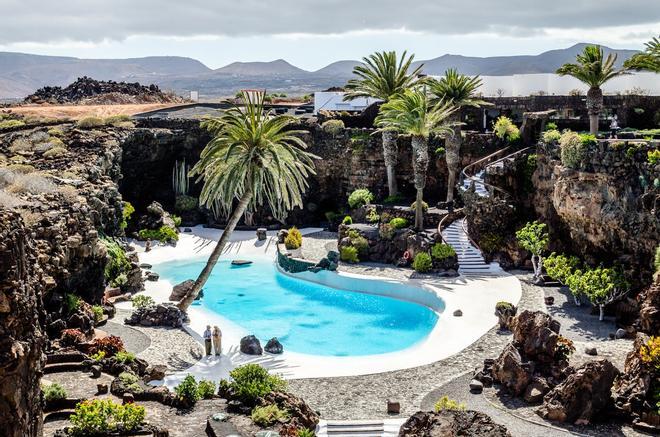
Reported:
(250, 345)
(649, 308)
(180, 290)
(158, 315)
(452, 423)
(274, 346)
(152, 276)
(583, 395)
(155, 373)
(261, 234)
(536, 390)
(458, 313)
(511, 372)
(302, 415)
(536, 334)
(476, 386)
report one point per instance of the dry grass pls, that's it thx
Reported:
(69, 193)
(8, 200)
(16, 182)
(76, 112)
(30, 218)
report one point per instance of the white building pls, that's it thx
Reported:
(334, 101)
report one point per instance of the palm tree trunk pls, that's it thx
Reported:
(390, 155)
(236, 215)
(420, 148)
(594, 108)
(453, 158)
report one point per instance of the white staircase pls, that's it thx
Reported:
(479, 186)
(470, 260)
(359, 428)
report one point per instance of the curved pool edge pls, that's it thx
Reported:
(476, 297)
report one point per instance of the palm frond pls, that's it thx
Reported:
(458, 89)
(592, 67)
(382, 76)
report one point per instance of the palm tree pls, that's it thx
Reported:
(255, 159)
(412, 113)
(648, 60)
(382, 77)
(460, 91)
(592, 70)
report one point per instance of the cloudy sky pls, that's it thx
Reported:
(313, 33)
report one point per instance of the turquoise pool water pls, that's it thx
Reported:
(305, 317)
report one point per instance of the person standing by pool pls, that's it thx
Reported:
(207, 339)
(217, 340)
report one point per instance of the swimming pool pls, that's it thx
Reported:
(306, 317)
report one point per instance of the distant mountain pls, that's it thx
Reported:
(546, 62)
(21, 74)
(274, 68)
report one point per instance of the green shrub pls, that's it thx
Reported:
(142, 301)
(399, 223)
(490, 242)
(54, 392)
(72, 302)
(422, 262)
(125, 357)
(206, 389)
(503, 306)
(444, 403)
(425, 206)
(268, 415)
(184, 203)
(372, 216)
(164, 234)
(386, 231)
(101, 416)
(304, 432)
(97, 310)
(55, 132)
(390, 200)
(333, 127)
(551, 126)
(360, 197)
(90, 122)
(177, 220)
(98, 356)
(653, 156)
(126, 213)
(128, 379)
(440, 151)
(348, 220)
(505, 129)
(560, 267)
(118, 262)
(187, 391)
(349, 254)
(251, 381)
(8, 124)
(573, 151)
(293, 239)
(442, 251)
(551, 136)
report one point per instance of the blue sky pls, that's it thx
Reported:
(312, 33)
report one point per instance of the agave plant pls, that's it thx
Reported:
(382, 76)
(254, 159)
(593, 69)
(412, 113)
(460, 90)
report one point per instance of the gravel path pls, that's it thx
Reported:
(134, 340)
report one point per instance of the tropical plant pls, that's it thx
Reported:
(360, 197)
(461, 91)
(187, 392)
(560, 267)
(422, 262)
(506, 130)
(648, 60)
(412, 113)
(594, 70)
(349, 254)
(142, 301)
(255, 159)
(441, 251)
(534, 238)
(251, 381)
(601, 285)
(54, 392)
(383, 77)
(445, 403)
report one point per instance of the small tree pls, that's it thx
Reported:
(534, 238)
(601, 285)
(560, 268)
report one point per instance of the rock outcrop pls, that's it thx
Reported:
(158, 315)
(649, 308)
(22, 338)
(582, 396)
(452, 423)
(301, 415)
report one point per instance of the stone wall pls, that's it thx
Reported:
(609, 211)
(21, 329)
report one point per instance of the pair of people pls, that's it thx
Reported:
(213, 340)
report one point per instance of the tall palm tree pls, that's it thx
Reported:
(592, 70)
(255, 159)
(382, 77)
(648, 60)
(412, 113)
(460, 91)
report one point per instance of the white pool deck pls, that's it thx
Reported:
(474, 296)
